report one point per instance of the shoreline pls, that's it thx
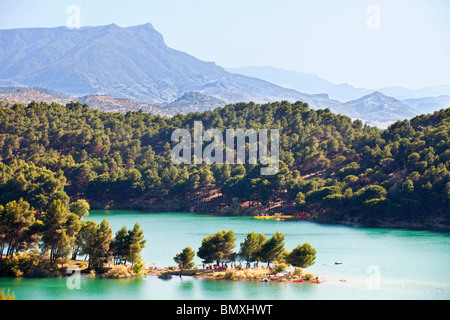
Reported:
(399, 225)
(261, 274)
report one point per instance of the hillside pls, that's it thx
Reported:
(192, 102)
(189, 102)
(334, 168)
(377, 110)
(127, 63)
(23, 95)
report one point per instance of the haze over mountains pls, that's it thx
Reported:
(344, 92)
(120, 62)
(377, 109)
(133, 67)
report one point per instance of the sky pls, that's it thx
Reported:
(366, 43)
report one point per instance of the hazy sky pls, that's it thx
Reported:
(371, 43)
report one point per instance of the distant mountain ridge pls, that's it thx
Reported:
(25, 95)
(118, 69)
(344, 92)
(131, 63)
(429, 104)
(377, 109)
(302, 82)
(193, 102)
(189, 102)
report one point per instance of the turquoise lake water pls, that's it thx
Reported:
(376, 263)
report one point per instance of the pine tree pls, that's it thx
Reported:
(302, 256)
(185, 259)
(273, 248)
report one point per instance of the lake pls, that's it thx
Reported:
(376, 263)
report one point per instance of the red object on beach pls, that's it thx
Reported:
(301, 215)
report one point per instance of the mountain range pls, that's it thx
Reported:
(132, 63)
(119, 69)
(344, 92)
(376, 109)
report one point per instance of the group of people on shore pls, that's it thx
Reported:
(232, 265)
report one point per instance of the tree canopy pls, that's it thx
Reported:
(255, 247)
(337, 169)
(185, 259)
(217, 247)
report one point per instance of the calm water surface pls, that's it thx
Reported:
(376, 263)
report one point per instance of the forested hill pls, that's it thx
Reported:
(332, 168)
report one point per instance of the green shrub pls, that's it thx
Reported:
(279, 268)
(28, 266)
(119, 271)
(308, 276)
(298, 272)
